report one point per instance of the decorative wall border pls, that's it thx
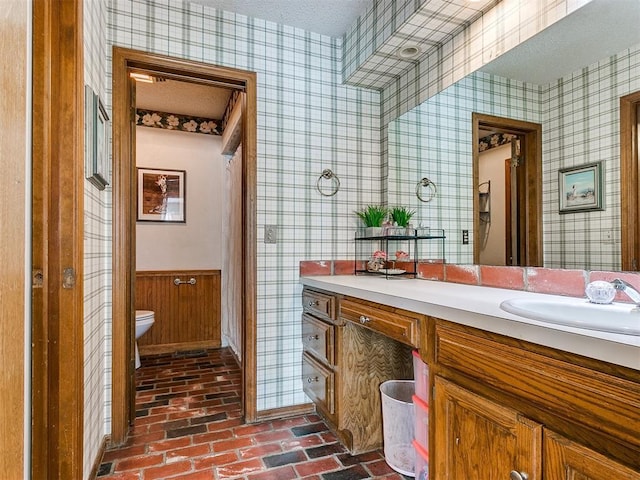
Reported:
(174, 121)
(494, 140)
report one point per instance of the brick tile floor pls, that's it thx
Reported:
(188, 427)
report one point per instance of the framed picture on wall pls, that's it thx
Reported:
(96, 140)
(161, 195)
(580, 188)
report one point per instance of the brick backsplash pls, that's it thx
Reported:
(554, 281)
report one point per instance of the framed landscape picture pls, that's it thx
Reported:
(161, 195)
(580, 188)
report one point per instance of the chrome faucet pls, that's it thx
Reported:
(628, 289)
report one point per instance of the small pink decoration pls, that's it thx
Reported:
(379, 254)
(401, 255)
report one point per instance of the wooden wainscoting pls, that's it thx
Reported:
(187, 315)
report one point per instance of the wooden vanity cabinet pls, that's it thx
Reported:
(567, 460)
(346, 359)
(504, 407)
(479, 439)
(318, 344)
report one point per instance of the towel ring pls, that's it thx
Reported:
(335, 183)
(431, 192)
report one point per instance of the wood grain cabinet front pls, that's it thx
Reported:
(319, 304)
(397, 324)
(318, 338)
(498, 391)
(567, 460)
(318, 383)
(479, 439)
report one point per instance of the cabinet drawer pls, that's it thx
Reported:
(399, 326)
(317, 338)
(317, 383)
(319, 304)
(599, 400)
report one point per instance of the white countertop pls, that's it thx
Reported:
(479, 307)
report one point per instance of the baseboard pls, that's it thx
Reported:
(284, 412)
(176, 347)
(99, 456)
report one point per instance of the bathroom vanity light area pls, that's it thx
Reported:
(548, 401)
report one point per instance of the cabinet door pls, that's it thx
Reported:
(476, 439)
(567, 460)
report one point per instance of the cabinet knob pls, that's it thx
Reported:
(311, 338)
(312, 379)
(518, 475)
(313, 303)
(364, 319)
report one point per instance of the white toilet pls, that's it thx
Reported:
(144, 320)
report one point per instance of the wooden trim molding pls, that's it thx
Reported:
(629, 182)
(124, 220)
(531, 211)
(58, 199)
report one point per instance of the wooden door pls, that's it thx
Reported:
(567, 460)
(478, 439)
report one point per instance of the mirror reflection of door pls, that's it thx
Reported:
(499, 197)
(507, 184)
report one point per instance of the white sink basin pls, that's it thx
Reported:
(579, 313)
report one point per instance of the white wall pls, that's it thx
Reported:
(492, 235)
(195, 244)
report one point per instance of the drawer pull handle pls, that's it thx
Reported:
(364, 319)
(313, 303)
(518, 475)
(191, 281)
(311, 338)
(312, 379)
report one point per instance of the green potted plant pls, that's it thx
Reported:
(401, 216)
(373, 216)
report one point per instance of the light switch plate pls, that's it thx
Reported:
(270, 234)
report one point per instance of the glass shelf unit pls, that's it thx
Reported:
(397, 252)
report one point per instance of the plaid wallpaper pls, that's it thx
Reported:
(97, 260)
(580, 119)
(307, 121)
(434, 140)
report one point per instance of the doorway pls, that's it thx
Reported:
(629, 196)
(124, 205)
(519, 190)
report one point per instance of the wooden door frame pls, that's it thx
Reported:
(508, 213)
(57, 393)
(532, 133)
(124, 200)
(629, 182)
(15, 50)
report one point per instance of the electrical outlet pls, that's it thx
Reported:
(270, 234)
(465, 237)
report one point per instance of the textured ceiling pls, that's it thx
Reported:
(183, 98)
(596, 31)
(327, 17)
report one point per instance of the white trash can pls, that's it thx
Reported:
(398, 423)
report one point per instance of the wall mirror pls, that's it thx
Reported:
(569, 79)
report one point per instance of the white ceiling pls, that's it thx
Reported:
(327, 17)
(594, 32)
(182, 98)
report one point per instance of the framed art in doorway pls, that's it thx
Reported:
(161, 195)
(580, 188)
